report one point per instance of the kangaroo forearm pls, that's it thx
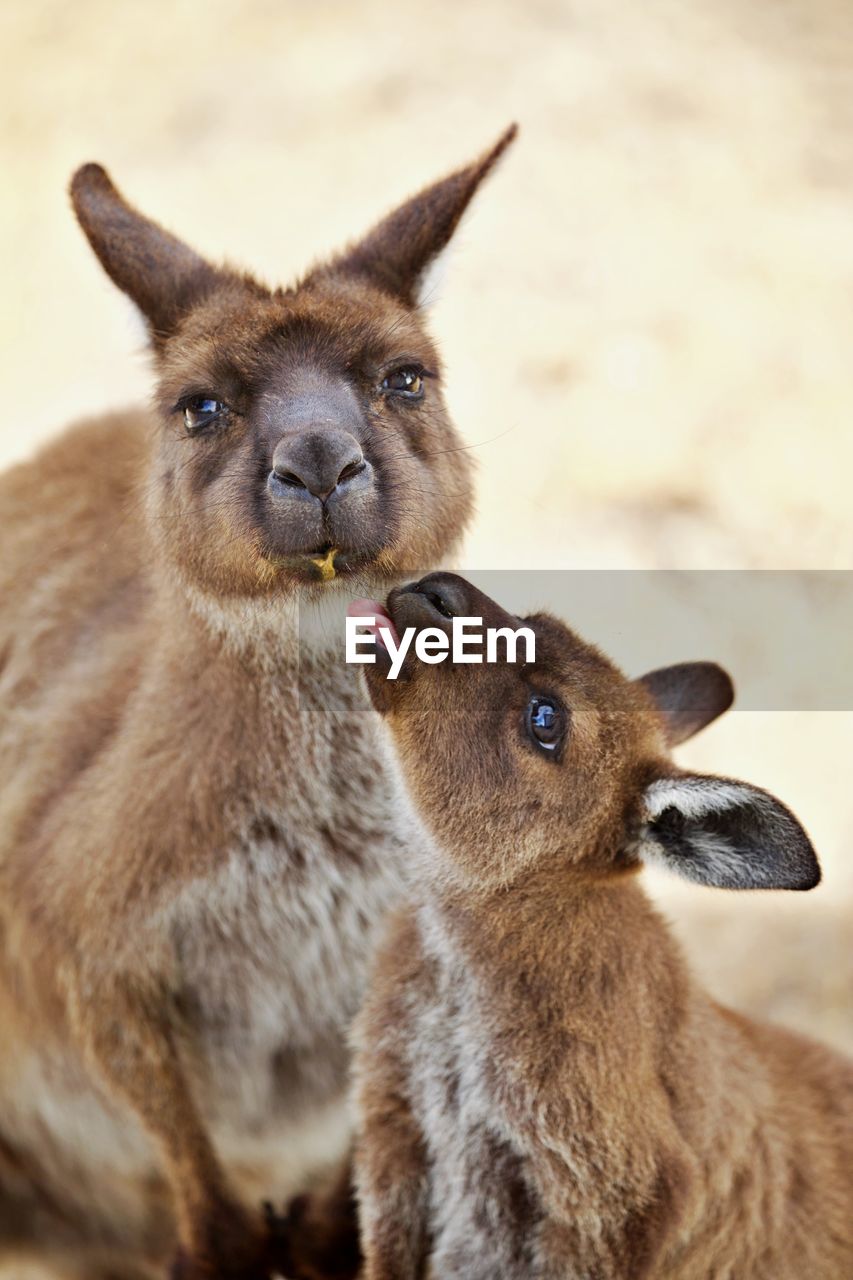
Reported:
(394, 1248)
(392, 1188)
(125, 1035)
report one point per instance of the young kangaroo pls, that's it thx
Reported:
(198, 837)
(544, 1091)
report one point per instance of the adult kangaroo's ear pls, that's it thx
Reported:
(162, 275)
(399, 253)
(724, 833)
(688, 696)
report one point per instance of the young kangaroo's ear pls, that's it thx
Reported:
(689, 696)
(400, 254)
(163, 276)
(719, 832)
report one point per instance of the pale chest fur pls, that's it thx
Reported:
(273, 942)
(511, 1158)
(526, 1138)
(267, 945)
(482, 1209)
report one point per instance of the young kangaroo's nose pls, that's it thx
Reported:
(316, 461)
(438, 598)
(446, 592)
(433, 600)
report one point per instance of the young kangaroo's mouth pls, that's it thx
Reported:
(426, 603)
(381, 620)
(427, 611)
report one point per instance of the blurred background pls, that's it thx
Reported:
(646, 324)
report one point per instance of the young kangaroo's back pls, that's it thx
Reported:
(544, 1090)
(198, 836)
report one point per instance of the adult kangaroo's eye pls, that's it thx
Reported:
(545, 721)
(201, 412)
(408, 382)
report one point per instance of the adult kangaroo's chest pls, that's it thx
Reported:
(272, 943)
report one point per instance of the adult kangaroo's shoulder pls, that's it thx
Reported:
(78, 498)
(74, 570)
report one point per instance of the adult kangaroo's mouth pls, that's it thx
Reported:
(324, 563)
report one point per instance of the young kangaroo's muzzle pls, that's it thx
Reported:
(433, 601)
(436, 599)
(430, 605)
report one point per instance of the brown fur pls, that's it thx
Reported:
(543, 1088)
(198, 835)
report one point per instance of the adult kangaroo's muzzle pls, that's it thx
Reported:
(317, 462)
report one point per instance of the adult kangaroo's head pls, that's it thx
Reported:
(304, 433)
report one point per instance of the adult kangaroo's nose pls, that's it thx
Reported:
(317, 461)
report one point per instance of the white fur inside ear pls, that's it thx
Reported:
(712, 860)
(694, 797)
(136, 326)
(729, 834)
(706, 857)
(712, 857)
(431, 283)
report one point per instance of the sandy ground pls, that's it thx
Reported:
(646, 326)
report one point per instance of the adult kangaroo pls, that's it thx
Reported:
(198, 835)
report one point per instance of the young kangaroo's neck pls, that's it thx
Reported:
(575, 943)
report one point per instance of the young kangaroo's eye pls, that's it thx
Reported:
(201, 412)
(545, 721)
(407, 381)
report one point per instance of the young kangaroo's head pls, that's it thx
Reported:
(303, 431)
(564, 762)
